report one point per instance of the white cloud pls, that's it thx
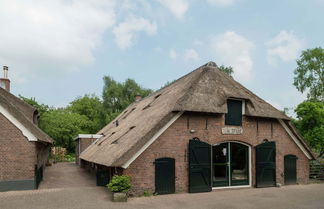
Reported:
(191, 54)
(125, 32)
(38, 35)
(173, 54)
(285, 46)
(221, 3)
(177, 7)
(234, 50)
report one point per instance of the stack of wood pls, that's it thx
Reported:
(58, 153)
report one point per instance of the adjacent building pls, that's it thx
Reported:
(204, 131)
(24, 148)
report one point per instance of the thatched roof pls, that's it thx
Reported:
(205, 89)
(24, 113)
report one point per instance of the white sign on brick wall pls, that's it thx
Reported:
(232, 130)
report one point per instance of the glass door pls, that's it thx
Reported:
(220, 165)
(230, 164)
(239, 164)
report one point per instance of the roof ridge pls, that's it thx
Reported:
(192, 88)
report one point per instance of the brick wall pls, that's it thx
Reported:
(18, 158)
(174, 143)
(81, 145)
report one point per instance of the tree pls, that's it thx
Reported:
(41, 108)
(117, 96)
(90, 106)
(228, 70)
(63, 125)
(310, 123)
(309, 74)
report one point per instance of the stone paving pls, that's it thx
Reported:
(79, 192)
(66, 175)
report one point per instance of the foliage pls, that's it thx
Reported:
(309, 74)
(70, 157)
(117, 96)
(228, 70)
(147, 193)
(87, 114)
(120, 184)
(91, 107)
(41, 108)
(63, 126)
(310, 123)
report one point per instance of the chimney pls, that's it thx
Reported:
(5, 82)
(138, 97)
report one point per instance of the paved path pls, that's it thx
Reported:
(289, 197)
(66, 175)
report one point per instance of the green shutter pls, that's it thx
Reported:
(199, 166)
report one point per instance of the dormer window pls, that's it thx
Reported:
(234, 112)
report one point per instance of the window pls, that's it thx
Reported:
(234, 113)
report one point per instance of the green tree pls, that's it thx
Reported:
(309, 74)
(63, 125)
(117, 96)
(90, 106)
(310, 123)
(41, 108)
(228, 70)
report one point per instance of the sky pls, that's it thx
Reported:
(58, 50)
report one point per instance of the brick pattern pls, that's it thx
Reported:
(81, 145)
(18, 156)
(174, 143)
(17, 159)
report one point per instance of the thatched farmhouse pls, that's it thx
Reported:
(24, 147)
(204, 131)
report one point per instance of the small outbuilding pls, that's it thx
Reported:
(204, 131)
(24, 148)
(82, 141)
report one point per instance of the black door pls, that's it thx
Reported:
(164, 176)
(199, 166)
(266, 164)
(102, 177)
(290, 169)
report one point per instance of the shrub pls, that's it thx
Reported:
(120, 184)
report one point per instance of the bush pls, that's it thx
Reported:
(69, 158)
(120, 184)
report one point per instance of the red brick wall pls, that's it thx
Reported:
(174, 143)
(81, 145)
(18, 155)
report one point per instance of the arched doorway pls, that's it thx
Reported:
(231, 163)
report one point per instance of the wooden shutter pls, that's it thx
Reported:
(199, 166)
(234, 113)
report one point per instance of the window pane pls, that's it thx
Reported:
(239, 162)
